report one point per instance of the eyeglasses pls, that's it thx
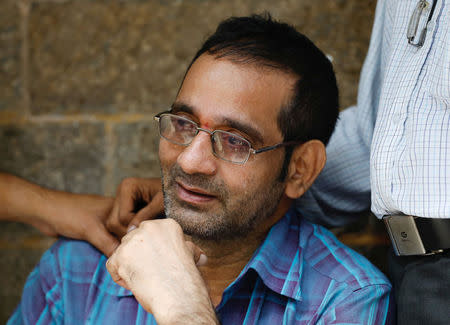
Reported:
(225, 145)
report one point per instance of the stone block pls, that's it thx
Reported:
(9, 55)
(103, 57)
(65, 156)
(117, 56)
(135, 152)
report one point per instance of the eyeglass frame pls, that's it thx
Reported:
(251, 150)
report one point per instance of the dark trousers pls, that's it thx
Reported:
(421, 288)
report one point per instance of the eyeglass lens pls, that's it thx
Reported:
(177, 130)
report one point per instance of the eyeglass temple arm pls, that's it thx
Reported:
(283, 144)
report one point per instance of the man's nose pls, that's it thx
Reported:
(198, 156)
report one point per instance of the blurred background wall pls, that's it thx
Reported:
(81, 80)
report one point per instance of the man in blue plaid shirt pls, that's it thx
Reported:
(244, 138)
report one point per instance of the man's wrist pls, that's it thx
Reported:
(196, 309)
(201, 316)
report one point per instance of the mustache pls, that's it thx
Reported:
(209, 184)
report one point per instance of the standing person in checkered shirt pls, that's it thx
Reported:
(391, 152)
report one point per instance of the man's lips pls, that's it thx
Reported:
(192, 194)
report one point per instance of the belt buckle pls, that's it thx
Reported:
(404, 235)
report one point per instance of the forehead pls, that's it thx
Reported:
(219, 89)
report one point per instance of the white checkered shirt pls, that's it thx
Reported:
(400, 124)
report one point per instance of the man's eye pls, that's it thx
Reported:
(181, 125)
(235, 142)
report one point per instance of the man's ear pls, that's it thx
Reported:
(306, 163)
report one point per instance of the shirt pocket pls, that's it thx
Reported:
(438, 79)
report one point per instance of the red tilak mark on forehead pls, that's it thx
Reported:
(206, 125)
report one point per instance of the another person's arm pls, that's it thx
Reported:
(55, 213)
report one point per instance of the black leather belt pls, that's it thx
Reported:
(418, 236)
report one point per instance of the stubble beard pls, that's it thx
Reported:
(236, 216)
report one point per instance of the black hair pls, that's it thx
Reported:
(258, 39)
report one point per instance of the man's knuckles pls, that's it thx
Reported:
(127, 185)
(161, 225)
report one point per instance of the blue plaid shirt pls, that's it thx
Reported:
(301, 274)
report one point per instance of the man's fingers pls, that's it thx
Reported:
(126, 208)
(113, 224)
(112, 268)
(199, 256)
(130, 196)
(103, 240)
(151, 211)
(202, 260)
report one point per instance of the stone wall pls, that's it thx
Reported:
(81, 80)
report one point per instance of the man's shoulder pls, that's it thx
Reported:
(76, 264)
(324, 279)
(313, 261)
(69, 261)
(70, 253)
(71, 284)
(337, 283)
(331, 259)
